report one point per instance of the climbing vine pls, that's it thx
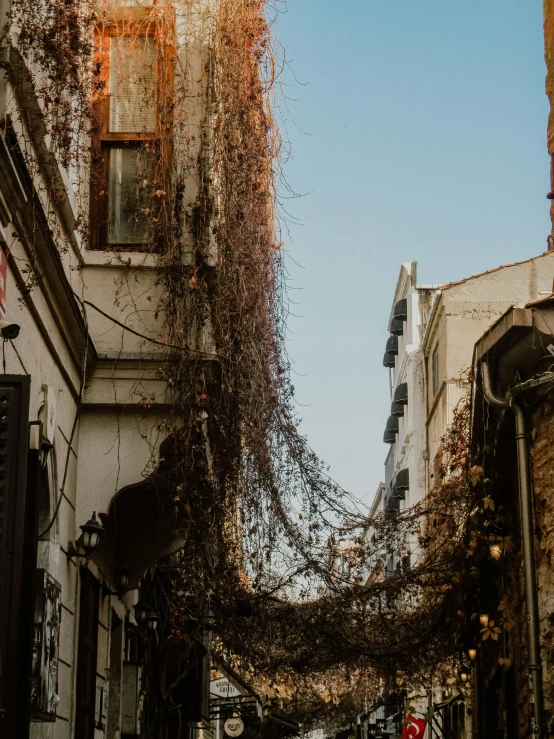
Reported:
(278, 562)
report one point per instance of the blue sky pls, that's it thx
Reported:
(418, 128)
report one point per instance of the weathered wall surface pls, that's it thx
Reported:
(542, 455)
(468, 308)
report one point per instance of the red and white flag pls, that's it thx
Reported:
(414, 729)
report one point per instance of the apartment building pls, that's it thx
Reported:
(405, 465)
(461, 312)
(87, 478)
(432, 333)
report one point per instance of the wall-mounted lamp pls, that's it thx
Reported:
(152, 620)
(472, 653)
(464, 674)
(121, 580)
(142, 610)
(146, 615)
(88, 541)
(484, 619)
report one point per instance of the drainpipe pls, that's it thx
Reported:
(526, 506)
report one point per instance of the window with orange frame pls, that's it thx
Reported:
(131, 146)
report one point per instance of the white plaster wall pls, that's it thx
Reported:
(44, 366)
(117, 439)
(467, 310)
(117, 448)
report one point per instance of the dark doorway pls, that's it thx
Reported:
(87, 654)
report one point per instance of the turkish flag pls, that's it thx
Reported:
(414, 729)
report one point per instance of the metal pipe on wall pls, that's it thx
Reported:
(526, 509)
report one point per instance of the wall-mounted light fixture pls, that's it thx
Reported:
(146, 615)
(152, 620)
(141, 611)
(472, 653)
(484, 619)
(88, 541)
(121, 580)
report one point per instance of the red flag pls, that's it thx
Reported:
(414, 729)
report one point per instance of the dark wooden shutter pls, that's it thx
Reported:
(86, 660)
(14, 417)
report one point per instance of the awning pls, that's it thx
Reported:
(391, 503)
(401, 393)
(389, 437)
(397, 409)
(388, 360)
(401, 484)
(392, 424)
(143, 523)
(392, 344)
(396, 327)
(401, 310)
(402, 481)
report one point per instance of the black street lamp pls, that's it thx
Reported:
(88, 541)
(141, 611)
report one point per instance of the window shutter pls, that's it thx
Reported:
(14, 417)
(86, 660)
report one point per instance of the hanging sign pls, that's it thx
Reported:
(224, 688)
(234, 726)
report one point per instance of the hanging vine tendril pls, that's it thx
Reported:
(279, 562)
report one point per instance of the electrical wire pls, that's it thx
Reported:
(82, 387)
(75, 421)
(185, 347)
(132, 330)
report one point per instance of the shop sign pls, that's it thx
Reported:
(224, 688)
(234, 726)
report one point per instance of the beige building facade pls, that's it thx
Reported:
(461, 312)
(85, 406)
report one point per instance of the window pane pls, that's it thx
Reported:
(435, 371)
(132, 84)
(130, 195)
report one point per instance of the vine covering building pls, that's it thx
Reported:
(115, 136)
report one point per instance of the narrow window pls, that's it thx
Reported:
(435, 370)
(131, 150)
(86, 657)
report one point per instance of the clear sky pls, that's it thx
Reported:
(420, 134)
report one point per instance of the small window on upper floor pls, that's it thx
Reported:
(435, 370)
(131, 146)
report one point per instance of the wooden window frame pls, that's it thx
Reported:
(160, 139)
